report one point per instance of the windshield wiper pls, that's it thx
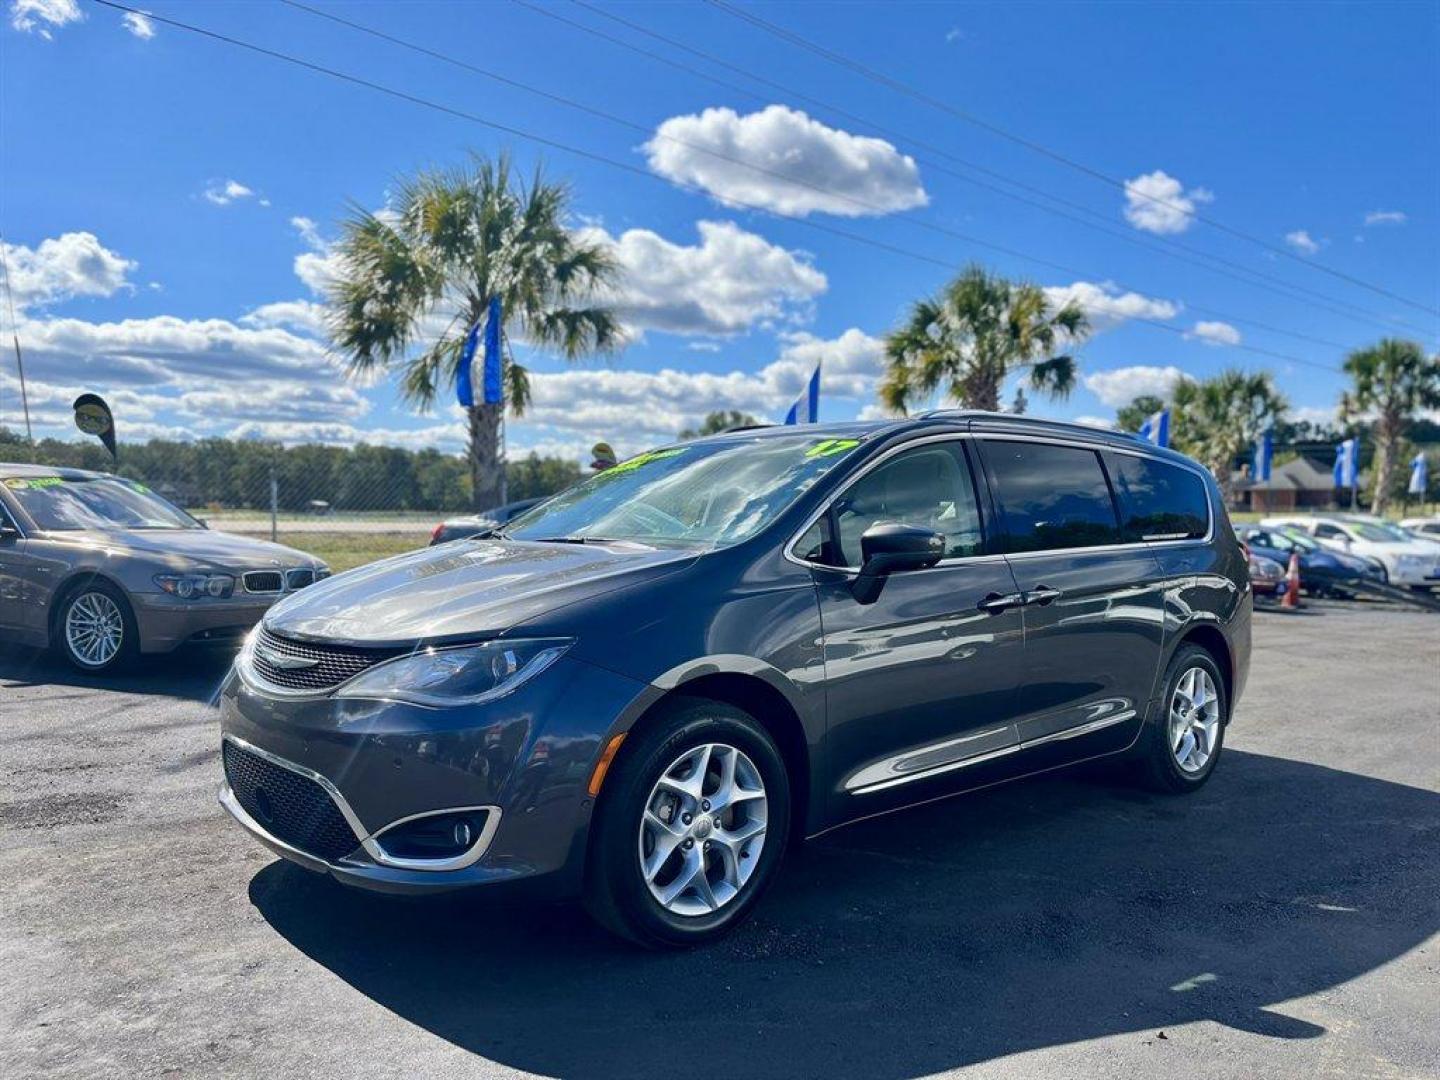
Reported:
(578, 540)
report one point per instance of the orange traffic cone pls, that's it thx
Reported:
(1291, 599)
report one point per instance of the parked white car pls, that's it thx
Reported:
(1424, 528)
(1407, 561)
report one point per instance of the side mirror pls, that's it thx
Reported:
(889, 547)
(9, 532)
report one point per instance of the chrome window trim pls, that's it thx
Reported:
(953, 436)
(365, 838)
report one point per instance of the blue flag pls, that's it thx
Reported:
(492, 385)
(1264, 454)
(1346, 471)
(464, 393)
(1156, 429)
(494, 361)
(1419, 474)
(810, 399)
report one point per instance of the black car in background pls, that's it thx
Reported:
(645, 690)
(479, 524)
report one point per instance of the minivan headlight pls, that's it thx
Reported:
(465, 675)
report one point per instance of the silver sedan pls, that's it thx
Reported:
(100, 568)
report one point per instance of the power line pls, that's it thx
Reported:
(591, 155)
(995, 129)
(1288, 290)
(645, 129)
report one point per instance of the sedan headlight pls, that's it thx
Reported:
(194, 586)
(465, 675)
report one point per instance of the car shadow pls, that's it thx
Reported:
(1041, 913)
(192, 672)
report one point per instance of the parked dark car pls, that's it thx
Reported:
(641, 691)
(101, 568)
(479, 524)
(1322, 572)
(1267, 575)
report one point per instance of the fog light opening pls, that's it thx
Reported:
(445, 838)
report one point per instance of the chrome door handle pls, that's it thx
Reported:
(1042, 595)
(996, 602)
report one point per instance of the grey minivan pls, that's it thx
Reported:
(100, 568)
(641, 691)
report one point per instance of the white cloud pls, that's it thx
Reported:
(859, 176)
(1302, 242)
(225, 192)
(953, 35)
(309, 232)
(39, 15)
(1157, 202)
(1386, 217)
(729, 282)
(1107, 306)
(1120, 386)
(70, 265)
(1215, 333)
(139, 25)
(303, 316)
(643, 408)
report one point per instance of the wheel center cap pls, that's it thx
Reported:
(701, 828)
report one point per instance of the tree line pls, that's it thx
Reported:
(221, 473)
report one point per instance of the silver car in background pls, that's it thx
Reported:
(100, 568)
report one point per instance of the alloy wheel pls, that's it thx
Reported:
(94, 629)
(703, 829)
(1194, 720)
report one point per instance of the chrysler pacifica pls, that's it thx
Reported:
(642, 690)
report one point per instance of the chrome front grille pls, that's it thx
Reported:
(302, 665)
(263, 581)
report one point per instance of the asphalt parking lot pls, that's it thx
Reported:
(1283, 922)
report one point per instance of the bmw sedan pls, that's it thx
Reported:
(101, 569)
(642, 691)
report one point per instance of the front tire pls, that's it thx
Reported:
(1179, 749)
(94, 629)
(691, 826)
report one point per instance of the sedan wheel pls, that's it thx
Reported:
(95, 630)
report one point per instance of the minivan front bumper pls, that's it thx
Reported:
(524, 760)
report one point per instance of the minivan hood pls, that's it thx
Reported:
(476, 588)
(188, 548)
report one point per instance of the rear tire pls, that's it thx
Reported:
(694, 797)
(94, 629)
(1180, 747)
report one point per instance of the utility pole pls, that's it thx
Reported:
(15, 337)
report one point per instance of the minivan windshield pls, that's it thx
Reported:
(105, 502)
(709, 493)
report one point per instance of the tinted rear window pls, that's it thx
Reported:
(1050, 497)
(1158, 501)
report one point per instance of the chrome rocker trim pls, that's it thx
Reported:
(861, 784)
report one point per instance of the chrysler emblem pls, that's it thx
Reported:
(284, 663)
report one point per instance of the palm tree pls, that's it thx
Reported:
(448, 242)
(1393, 380)
(979, 329)
(1215, 421)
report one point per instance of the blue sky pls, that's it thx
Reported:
(167, 200)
